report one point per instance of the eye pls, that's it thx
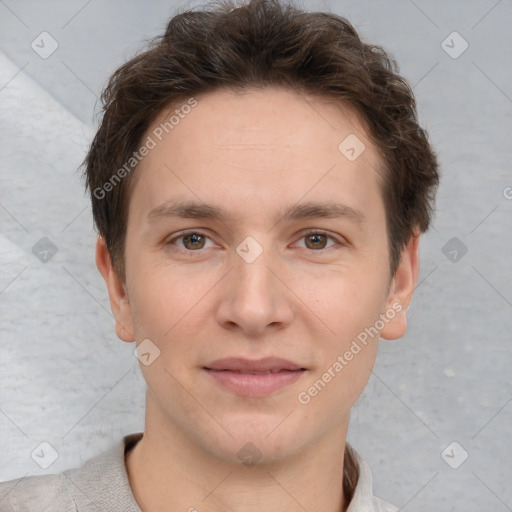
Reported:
(193, 241)
(189, 240)
(318, 240)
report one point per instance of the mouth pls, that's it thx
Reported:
(246, 377)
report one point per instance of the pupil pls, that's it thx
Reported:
(317, 240)
(194, 240)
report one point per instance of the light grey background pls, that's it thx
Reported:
(67, 380)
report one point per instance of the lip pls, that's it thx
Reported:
(249, 377)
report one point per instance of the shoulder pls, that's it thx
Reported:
(36, 494)
(99, 484)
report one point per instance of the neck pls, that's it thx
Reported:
(168, 471)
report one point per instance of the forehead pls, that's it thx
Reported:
(273, 118)
(267, 145)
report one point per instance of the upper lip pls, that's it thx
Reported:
(240, 364)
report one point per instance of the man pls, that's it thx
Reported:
(259, 182)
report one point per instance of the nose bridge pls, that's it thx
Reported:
(254, 298)
(251, 274)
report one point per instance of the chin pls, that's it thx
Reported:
(261, 439)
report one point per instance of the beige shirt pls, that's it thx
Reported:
(101, 484)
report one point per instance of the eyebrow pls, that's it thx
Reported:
(308, 210)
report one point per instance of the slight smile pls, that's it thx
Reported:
(246, 377)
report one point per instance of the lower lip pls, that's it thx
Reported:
(245, 384)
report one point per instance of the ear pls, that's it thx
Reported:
(119, 302)
(401, 290)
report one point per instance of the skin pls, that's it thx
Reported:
(253, 154)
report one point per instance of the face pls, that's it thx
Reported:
(255, 245)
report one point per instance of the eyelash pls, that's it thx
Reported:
(309, 232)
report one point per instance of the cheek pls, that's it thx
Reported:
(161, 296)
(350, 309)
(350, 302)
(347, 355)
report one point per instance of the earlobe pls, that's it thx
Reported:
(119, 302)
(401, 291)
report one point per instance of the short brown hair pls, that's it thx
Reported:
(259, 44)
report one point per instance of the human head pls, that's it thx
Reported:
(261, 44)
(253, 143)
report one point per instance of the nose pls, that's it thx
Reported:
(254, 299)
